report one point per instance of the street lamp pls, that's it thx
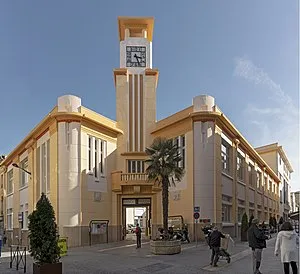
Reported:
(20, 215)
(17, 166)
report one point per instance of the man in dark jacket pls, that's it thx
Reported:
(138, 233)
(214, 242)
(257, 241)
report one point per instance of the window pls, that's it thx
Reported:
(9, 219)
(96, 156)
(25, 220)
(96, 159)
(23, 175)
(180, 143)
(90, 154)
(258, 180)
(21, 212)
(97, 196)
(241, 212)
(265, 183)
(226, 213)
(225, 153)
(270, 186)
(44, 158)
(135, 166)
(259, 215)
(250, 175)
(2, 180)
(239, 167)
(10, 182)
(251, 213)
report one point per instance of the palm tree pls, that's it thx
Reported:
(163, 168)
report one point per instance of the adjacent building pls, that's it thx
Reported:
(295, 201)
(92, 168)
(277, 159)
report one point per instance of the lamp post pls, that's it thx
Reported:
(20, 215)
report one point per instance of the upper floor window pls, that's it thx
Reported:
(239, 167)
(180, 143)
(135, 166)
(258, 179)
(23, 175)
(96, 156)
(10, 178)
(250, 175)
(225, 154)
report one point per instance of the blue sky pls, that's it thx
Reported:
(244, 53)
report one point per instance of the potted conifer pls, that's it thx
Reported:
(244, 228)
(43, 238)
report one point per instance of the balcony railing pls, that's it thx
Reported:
(120, 179)
(134, 177)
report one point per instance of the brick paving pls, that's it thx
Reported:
(123, 257)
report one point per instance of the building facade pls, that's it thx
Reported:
(295, 201)
(92, 168)
(277, 159)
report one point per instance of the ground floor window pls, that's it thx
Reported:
(226, 213)
(10, 219)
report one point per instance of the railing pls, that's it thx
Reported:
(18, 255)
(134, 177)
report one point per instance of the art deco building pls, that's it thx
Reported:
(92, 168)
(277, 159)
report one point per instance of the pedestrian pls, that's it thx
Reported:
(138, 233)
(286, 243)
(214, 243)
(4, 239)
(257, 241)
(186, 233)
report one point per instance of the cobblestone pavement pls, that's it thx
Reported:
(123, 257)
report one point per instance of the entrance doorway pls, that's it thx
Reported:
(136, 211)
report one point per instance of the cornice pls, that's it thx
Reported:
(43, 126)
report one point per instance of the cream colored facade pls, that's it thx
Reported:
(93, 168)
(277, 159)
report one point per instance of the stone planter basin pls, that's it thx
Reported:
(160, 247)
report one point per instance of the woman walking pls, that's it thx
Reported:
(286, 242)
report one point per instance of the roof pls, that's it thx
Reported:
(277, 148)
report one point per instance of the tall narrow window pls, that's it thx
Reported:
(9, 218)
(96, 159)
(101, 157)
(24, 175)
(10, 182)
(258, 180)
(90, 154)
(180, 144)
(44, 168)
(250, 175)
(225, 153)
(239, 167)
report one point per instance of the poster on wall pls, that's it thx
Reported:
(98, 228)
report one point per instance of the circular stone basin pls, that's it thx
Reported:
(160, 247)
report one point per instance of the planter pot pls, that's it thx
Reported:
(47, 268)
(160, 247)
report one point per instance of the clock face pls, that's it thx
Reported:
(135, 56)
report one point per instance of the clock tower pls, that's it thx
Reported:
(136, 84)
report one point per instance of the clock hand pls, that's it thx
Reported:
(137, 58)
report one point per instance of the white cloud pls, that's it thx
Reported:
(278, 120)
